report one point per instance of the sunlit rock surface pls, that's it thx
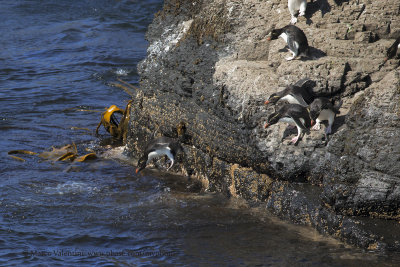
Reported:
(209, 70)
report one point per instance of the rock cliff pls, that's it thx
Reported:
(209, 70)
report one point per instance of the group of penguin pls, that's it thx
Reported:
(303, 109)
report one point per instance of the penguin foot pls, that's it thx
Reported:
(293, 20)
(302, 13)
(316, 127)
(294, 140)
(290, 58)
(328, 130)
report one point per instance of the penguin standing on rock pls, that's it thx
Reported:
(162, 146)
(297, 8)
(293, 114)
(294, 37)
(292, 94)
(322, 109)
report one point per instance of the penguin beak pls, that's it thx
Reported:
(266, 102)
(312, 122)
(266, 125)
(137, 170)
(269, 38)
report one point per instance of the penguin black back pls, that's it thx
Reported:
(292, 114)
(295, 34)
(293, 94)
(294, 37)
(159, 147)
(163, 142)
(296, 112)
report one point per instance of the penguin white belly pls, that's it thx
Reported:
(287, 120)
(160, 152)
(294, 5)
(297, 5)
(291, 121)
(284, 37)
(293, 100)
(326, 115)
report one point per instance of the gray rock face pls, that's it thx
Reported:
(209, 70)
(364, 157)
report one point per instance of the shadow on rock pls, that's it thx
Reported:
(285, 49)
(315, 53)
(322, 5)
(339, 122)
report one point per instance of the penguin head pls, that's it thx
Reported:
(141, 163)
(314, 110)
(272, 99)
(313, 114)
(274, 34)
(272, 119)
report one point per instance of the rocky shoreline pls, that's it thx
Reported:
(209, 70)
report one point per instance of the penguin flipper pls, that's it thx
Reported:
(299, 123)
(302, 98)
(297, 112)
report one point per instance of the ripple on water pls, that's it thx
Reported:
(70, 187)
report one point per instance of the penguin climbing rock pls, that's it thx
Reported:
(392, 51)
(292, 94)
(297, 8)
(322, 109)
(294, 37)
(293, 114)
(157, 148)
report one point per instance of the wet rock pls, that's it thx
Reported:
(210, 68)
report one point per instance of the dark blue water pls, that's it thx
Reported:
(57, 62)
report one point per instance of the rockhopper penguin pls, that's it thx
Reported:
(292, 94)
(294, 38)
(297, 8)
(157, 148)
(322, 109)
(293, 114)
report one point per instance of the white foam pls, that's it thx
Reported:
(115, 153)
(121, 72)
(70, 188)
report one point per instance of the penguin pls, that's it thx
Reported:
(295, 39)
(297, 8)
(293, 114)
(292, 94)
(322, 109)
(157, 148)
(392, 51)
